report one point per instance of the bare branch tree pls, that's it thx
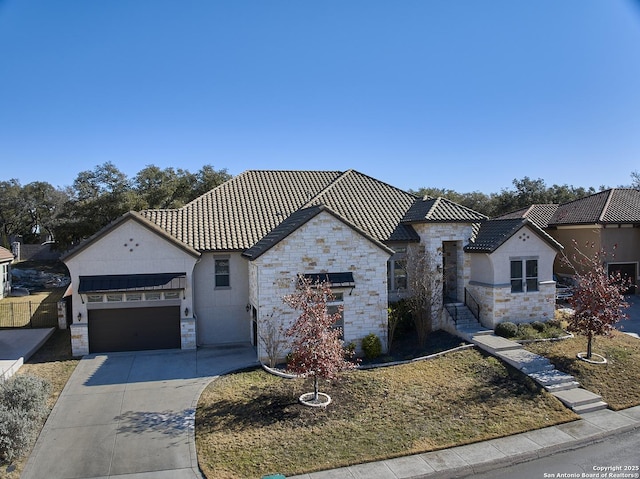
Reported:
(272, 338)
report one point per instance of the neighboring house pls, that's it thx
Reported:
(215, 271)
(608, 221)
(6, 258)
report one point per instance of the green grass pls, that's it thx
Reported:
(250, 424)
(618, 381)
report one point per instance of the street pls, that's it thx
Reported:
(615, 457)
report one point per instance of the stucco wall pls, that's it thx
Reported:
(222, 314)
(129, 248)
(497, 302)
(324, 244)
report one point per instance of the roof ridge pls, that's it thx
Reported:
(606, 205)
(309, 203)
(463, 206)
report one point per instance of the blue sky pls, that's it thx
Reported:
(457, 94)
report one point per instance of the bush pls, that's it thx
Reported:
(526, 331)
(23, 403)
(538, 326)
(372, 346)
(506, 329)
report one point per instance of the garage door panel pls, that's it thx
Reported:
(134, 329)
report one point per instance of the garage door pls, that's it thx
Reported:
(627, 271)
(134, 329)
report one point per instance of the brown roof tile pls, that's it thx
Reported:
(616, 205)
(494, 233)
(441, 210)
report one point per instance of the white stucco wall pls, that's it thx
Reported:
(324, 244)
(129, 248)
(497, 302)
(221, 312)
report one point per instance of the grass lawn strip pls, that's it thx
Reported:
(618, 381)
(52, 362)
(250, 424)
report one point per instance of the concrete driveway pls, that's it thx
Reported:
(130, 414)
(631, 326)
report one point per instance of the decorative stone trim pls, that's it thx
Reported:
(543, 340)
(583, 357)
(307, 400)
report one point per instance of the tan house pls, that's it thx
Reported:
(608, 220)
(215, 271)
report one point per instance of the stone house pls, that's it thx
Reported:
(214, 271)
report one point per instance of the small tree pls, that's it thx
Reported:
(317, 349)
(598, 299)
(424, 283)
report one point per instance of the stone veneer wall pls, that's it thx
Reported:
(432, 235)
(79, 339)
(324, 244)
(499, 304)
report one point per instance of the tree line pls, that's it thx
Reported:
(525, 192)
(38, 211)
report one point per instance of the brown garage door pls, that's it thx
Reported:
(628, 272)
(134, 329)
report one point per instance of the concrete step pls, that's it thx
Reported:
(577, 397)
(494, 344)
(561, 386)
(525, 361)
(547, 378)
(596, 406)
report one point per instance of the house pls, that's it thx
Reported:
(215, 271)
(608, 220)
(6, 258)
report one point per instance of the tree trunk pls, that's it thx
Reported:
(315, 388)
(589, 337)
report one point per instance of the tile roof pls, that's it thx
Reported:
(441, 210)
(292, 223)
(5, 255)
(616, 205)
(540, 214)
(494, 233)
(240, 212)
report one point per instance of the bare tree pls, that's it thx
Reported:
(272, 338)
(424, 284)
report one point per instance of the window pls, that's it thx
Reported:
(134, 296)
(171, 295)
(94, 298)
(114, 297)
(222, 273)
(152, 295)
(524, 275)
(335, 305)
(397, 270)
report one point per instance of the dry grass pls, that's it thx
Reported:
(618, 381)
(250, 424)
(54, 363)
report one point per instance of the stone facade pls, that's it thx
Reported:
(79, 339)
(188, 333)
(324, 245)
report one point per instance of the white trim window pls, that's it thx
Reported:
(397, 271)
(222, 273)
(336, 305)
(524, 275)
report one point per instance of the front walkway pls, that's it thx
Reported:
(130, 414)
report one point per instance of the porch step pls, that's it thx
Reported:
(580, 400)
(562, 386)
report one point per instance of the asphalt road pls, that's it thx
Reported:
(617, 456)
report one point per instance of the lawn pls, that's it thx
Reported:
(249, 424)
(54, 363)
(618, 381)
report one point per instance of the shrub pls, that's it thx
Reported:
(23, 402)
(16, 432)
(506, 329)
(526, 331)
(26, 393)
(538, 326)
(372, 346)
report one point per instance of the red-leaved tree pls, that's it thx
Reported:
(598, 299)
(317, 349)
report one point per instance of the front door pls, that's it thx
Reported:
(450, 271)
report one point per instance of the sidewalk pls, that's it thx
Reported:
(495, 453)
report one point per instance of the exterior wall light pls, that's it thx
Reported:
(186, 311)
